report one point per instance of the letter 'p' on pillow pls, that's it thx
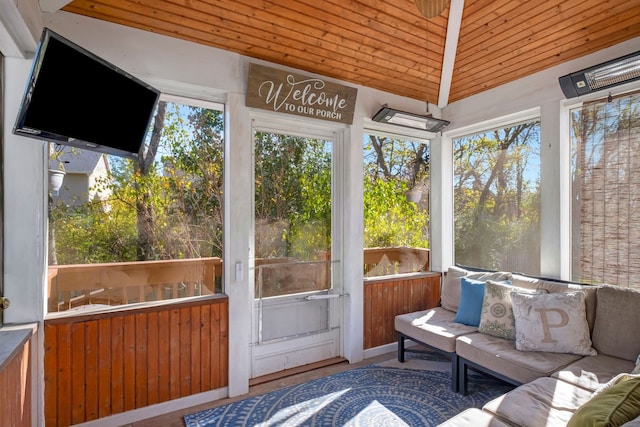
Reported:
(555, 322)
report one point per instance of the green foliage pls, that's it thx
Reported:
(181, 195)
(389, 219)
(393, 166)
(293, 195)
(497, 199)
(182, 191)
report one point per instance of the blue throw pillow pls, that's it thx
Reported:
(471, 297)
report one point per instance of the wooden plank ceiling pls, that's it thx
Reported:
(388, 45)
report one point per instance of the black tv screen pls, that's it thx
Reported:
(75, 98)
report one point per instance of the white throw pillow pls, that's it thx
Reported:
(497, 317)
(555, 323)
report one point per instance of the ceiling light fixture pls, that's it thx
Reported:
(410, 120)
(603, 76)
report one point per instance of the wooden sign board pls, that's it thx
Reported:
(285, 92)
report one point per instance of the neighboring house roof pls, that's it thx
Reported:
(76, 160)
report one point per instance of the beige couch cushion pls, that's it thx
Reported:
(633, 423)
(592, 372)
(543, 402)
(617, 307)
(434, 327)
(554, 322)
(450, 293)
(500, 355)
(474, 417)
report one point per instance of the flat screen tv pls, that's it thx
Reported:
(75, 98)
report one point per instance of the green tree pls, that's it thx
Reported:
(391, 167)
(292, 195)
(497, 196)
(154, 210)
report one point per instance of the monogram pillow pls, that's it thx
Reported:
(556, 323)
(497, 313)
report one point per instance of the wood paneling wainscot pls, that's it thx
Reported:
(15, 378)
(387, 296)
(109, 362)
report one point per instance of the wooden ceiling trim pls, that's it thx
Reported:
(387, 45)
(544, 54)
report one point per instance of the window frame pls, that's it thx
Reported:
(447, 144)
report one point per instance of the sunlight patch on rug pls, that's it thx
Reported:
(368, 396)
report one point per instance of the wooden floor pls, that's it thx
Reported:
(263, 385)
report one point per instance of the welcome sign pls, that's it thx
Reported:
(284, 92)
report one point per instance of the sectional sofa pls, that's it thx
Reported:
(567, 347)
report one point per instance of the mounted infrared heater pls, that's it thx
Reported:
(410, 120)
(603, 76)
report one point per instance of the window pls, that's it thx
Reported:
(497, 198)
(124, 231)
(605, 142)
(396, 205)
(293, 188)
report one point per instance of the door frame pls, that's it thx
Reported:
(280, 354)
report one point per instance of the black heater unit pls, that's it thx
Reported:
(603, 76)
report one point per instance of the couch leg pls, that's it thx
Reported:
(463, 378)
(455, 387)
(400, 348)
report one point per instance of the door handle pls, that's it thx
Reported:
(322, 296)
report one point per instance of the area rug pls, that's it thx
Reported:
(368, 396)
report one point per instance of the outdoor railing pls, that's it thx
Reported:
(395, 260)
(118, 283)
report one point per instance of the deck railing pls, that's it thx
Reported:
(120, 283)
(395, 260)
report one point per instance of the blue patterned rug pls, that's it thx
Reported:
(368, 396)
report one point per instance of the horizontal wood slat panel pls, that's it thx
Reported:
(387, 45)
(15, 387)
(387, 296)
(108, 363)
(534, 42)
